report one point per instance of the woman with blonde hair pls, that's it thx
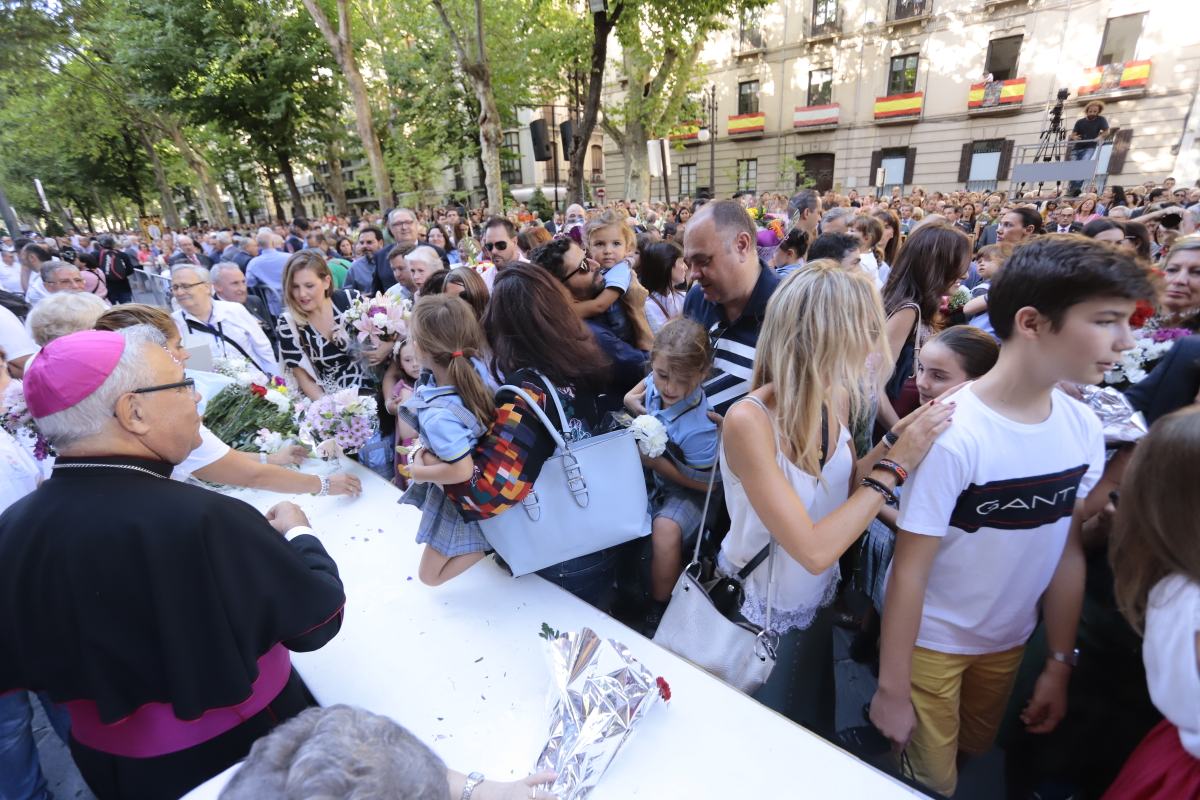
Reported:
(313, 341)
(790, 473)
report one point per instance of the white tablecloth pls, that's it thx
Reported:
(462, 667)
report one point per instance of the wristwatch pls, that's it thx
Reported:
(1071, 659)
(473, 780)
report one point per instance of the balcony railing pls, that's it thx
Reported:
(747, 123)
(899, 107)
(597, 176)
(815, 116)
(991, 95)
(829, 25)
(901, 10)
(1128, 77)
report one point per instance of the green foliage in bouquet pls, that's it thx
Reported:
(238, 412)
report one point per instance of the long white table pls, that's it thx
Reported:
(462, 667)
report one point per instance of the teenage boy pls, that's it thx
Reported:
(989, 523)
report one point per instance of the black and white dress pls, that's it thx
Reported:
(333, 362)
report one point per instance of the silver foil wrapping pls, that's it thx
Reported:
(600, 693)
(1121, 423)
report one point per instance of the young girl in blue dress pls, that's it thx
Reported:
(447, 413)
(679, 362)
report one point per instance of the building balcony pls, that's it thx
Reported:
(899, 108)
(816, 117)
(686, 132)
(908, 11)
(826, 28)
(742, 124)
(994, 97)
(597, 177)
(1123, 79)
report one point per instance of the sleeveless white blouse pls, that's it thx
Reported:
(796, 594)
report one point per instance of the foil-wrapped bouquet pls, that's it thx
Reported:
(1121, 423)
(600, 693)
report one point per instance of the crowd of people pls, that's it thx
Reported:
(881, 390)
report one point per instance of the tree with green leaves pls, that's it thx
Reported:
(660, 43)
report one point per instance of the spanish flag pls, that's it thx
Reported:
(747, 123)
(997, 93)
(899, 105)
(685, 130)
(1133, 75)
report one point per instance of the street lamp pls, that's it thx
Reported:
(709, 134)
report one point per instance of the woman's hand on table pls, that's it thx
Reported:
(289, 456)
(524, 789)
(344, 483)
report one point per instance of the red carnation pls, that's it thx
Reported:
(664, 688)
(255, 389)
(1141, 313)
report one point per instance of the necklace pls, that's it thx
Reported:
(108, 466)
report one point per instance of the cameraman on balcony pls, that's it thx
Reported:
(1088, 133)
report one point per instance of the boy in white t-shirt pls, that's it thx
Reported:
(989, 523)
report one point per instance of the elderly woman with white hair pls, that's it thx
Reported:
(63, 313)
(342, 751)
(227, 329)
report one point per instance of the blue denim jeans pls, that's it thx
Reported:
(20, 769)
(1080, 154)
(590, 578)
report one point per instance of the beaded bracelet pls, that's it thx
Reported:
(878, 486)
(891, 466)
(324, 488)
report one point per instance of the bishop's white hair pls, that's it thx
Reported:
(89, 416)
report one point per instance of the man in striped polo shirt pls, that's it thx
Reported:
(729, 295)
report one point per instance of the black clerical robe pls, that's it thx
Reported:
(163, 606)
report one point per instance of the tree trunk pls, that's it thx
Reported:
(289, 177)
(209, 196)
(637, 162)
(602, 25)
(336, 185)
(273, 188)
(165, 198)
(131, 172)
(490, 137)
(10, 219)
(343, 52)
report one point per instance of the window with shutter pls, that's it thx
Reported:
(910, 162)
(964, 162)
(876, 159)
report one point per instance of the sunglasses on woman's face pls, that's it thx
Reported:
(501, 246)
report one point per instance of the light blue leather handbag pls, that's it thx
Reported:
(590, 495)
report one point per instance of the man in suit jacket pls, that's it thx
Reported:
(230, 284)
(1172, 384)
(189, 254)
(1064, 221)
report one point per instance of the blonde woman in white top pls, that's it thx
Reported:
(824, 326)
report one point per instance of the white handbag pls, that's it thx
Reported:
(695, 627)
(589, 496)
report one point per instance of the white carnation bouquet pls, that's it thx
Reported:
(651, 435)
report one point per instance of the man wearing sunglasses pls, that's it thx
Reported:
(500, 242)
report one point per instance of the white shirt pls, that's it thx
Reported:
(796, 594)
(19, 472)
(37, 289)
(871, 267)
(211, 450)
(673, 303)
(1169, 652)
(238, 324)
(15, 340)
(10, 277)
(1000, 495)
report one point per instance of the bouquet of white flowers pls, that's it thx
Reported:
(1148, 347)
(651, 435)
(16, 419)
